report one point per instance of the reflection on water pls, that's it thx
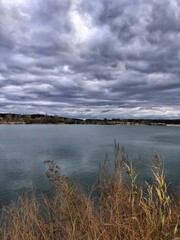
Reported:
(78, 149)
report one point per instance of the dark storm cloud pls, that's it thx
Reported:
(165, 17)
(86, 58)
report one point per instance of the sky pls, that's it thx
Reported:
(90, 59)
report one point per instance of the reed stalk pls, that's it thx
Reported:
(119, 211)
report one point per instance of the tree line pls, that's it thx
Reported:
(10, 118)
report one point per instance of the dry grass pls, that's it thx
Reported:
(122, 211)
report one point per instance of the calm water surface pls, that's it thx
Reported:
(78, 149)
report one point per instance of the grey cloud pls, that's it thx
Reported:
(90, 58)
(165, 17)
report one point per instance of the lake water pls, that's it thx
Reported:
(78, 149)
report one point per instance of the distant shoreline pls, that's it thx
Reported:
(11, 118)
(100, 124)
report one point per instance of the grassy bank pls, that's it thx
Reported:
(120, 210)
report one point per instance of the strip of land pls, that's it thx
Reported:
(11, 118)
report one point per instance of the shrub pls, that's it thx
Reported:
(121, 210)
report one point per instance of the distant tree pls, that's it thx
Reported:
(8, 118)
(28, 119)
(16, 118)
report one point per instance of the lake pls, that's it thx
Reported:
(78, 149)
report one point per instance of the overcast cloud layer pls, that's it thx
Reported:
(98, 58)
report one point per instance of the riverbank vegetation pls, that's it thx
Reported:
(9, 118)
(117, 208)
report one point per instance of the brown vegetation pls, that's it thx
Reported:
(10, 118)
(121, 210)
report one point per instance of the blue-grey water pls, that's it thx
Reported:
(78, 149)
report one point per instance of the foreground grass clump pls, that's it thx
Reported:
(121, 210)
